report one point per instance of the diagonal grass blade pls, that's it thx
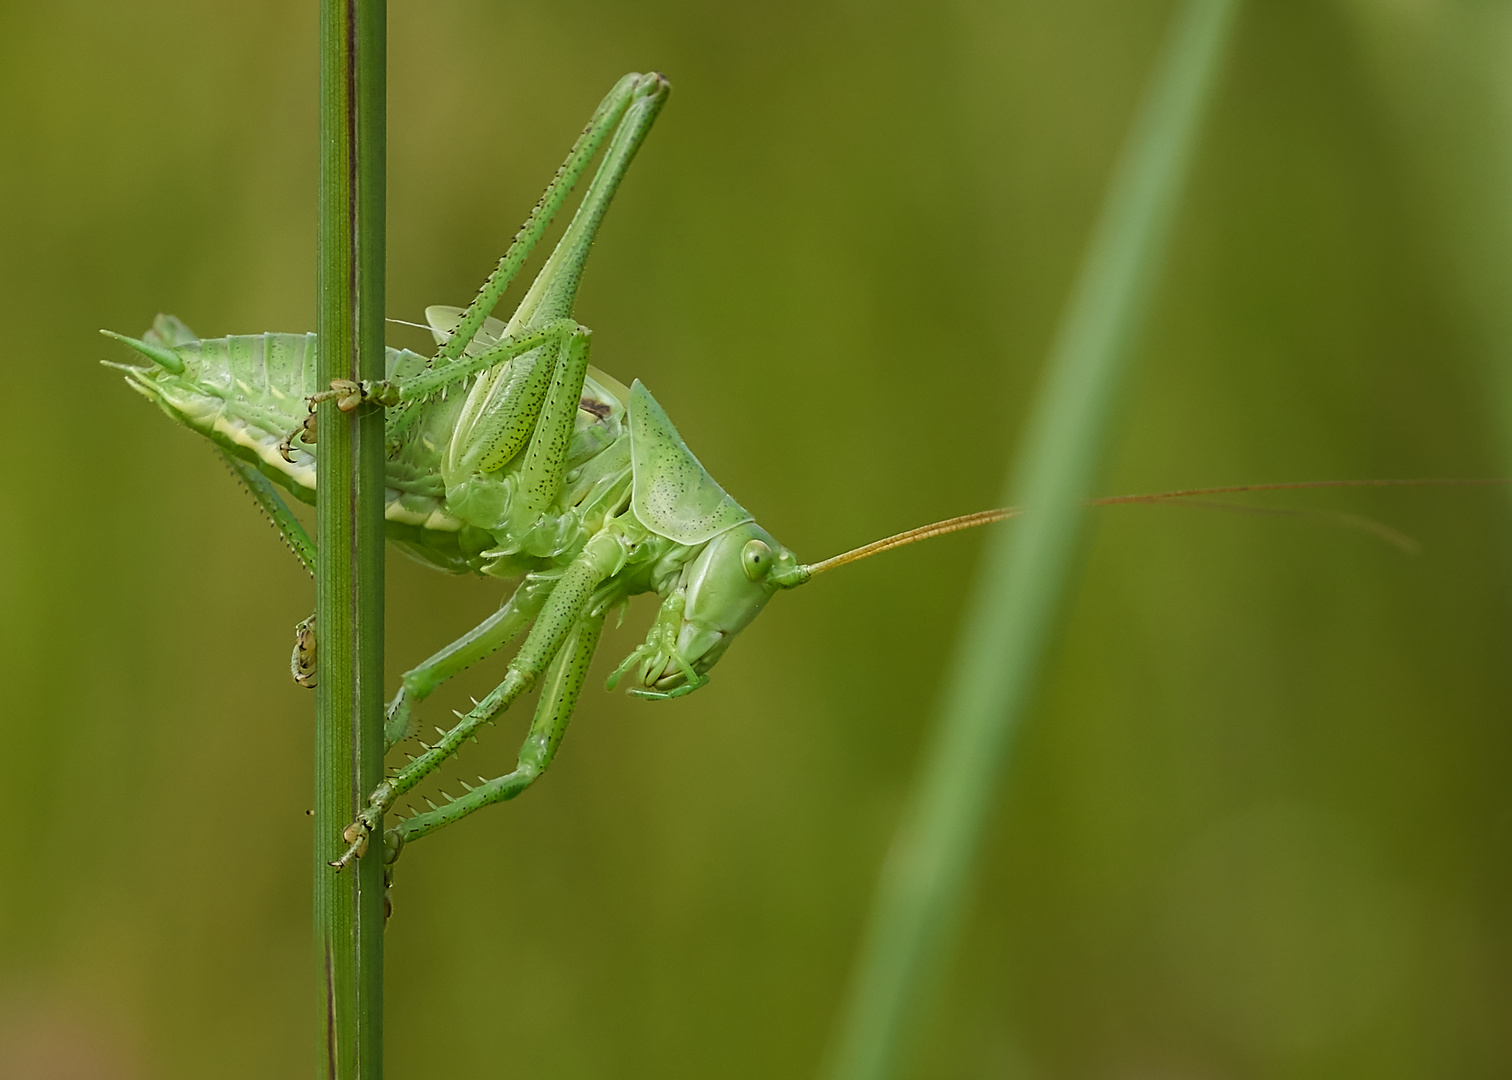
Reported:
(1011, 623)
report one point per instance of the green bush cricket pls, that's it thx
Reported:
(510, 456)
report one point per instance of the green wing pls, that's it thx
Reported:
(443, 321)
(673, 495)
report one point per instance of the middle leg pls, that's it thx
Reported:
(567, 604)
(492, 634)
(559, 694)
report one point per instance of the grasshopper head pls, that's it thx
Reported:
(716, 596)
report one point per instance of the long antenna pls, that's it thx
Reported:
(911, 536)
(987, 517)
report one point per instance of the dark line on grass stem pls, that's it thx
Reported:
(354, 325)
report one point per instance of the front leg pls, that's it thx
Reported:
(653, 655)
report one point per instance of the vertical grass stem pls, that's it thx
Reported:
(349, 517)
(1011, 622)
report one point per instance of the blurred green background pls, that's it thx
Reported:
(1259, 823)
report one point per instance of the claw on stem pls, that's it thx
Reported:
(348, 394)
(305, 432)
(355, 834)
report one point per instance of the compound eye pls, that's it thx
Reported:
(756, 559)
